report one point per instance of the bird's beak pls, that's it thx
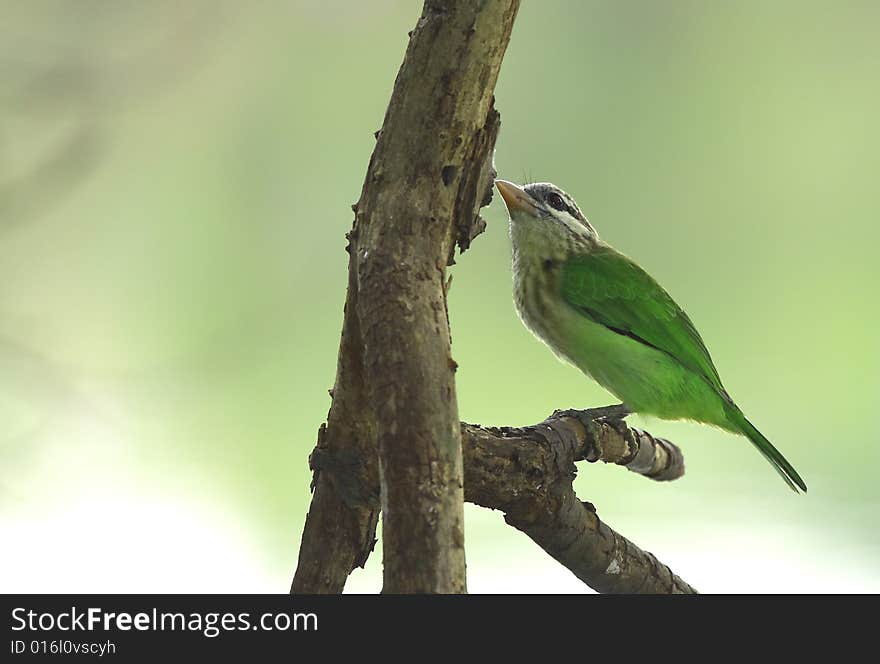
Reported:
(515, 197)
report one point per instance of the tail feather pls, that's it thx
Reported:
(765, 447)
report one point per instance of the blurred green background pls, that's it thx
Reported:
(175, 183)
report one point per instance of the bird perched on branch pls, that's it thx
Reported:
(600, 311)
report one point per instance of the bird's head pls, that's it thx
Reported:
(541, 213)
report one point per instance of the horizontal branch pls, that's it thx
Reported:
(600, 434)
(527, 473)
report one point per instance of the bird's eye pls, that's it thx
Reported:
(555, 201)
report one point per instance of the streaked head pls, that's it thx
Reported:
(545, 204)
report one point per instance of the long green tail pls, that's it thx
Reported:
(765, 447)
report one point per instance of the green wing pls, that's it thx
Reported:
(612, 290)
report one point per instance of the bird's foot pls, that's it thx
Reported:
(615, 413)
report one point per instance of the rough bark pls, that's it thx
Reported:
(430, 173)
(527, 473)
(423, 189)
(340, 527)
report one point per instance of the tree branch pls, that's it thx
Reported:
(394, 394)
(340, 528)
(428, 176)
(527, 473)
(422, 192)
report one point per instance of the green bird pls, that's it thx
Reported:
(598, 310)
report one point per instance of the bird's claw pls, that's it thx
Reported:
(612, 414)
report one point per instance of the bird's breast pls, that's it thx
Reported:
(540, 305)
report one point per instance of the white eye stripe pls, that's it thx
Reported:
(571, 217)
(573, 223)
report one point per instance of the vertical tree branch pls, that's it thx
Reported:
(340, 527)
(423, 185)
(429, 174)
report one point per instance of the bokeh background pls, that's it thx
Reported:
(175, 183)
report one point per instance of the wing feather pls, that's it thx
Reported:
(612, 290)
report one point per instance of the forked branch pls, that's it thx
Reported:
(394, 402)
(527, 473)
